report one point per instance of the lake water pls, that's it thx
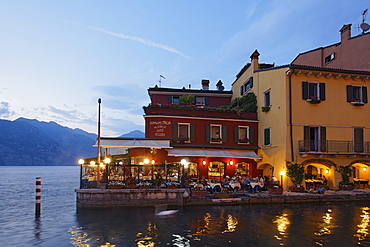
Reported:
(63, 224)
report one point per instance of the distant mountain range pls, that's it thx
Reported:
(28, 142)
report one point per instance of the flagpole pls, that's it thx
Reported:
(98, 177)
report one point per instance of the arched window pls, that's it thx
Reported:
(216, 169)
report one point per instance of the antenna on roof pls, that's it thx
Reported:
(364, 26)
(160, 79)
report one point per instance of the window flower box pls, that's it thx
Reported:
(314, 101)
(245, 140)
(266, 108)
(215, 139)
(357, 103)
(198, 193)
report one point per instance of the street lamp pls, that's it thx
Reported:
(98, 175)
(282, 173)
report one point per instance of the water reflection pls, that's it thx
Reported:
(363, 231)
(254, 225)
(326, 225)
(283, 223)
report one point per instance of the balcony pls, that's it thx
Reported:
(334, 147)
(193, 111)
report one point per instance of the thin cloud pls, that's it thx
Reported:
(140, 40)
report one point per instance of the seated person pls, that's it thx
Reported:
(321, 190)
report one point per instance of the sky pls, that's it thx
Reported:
(57, 58)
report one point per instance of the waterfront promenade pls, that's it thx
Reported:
(150, 197)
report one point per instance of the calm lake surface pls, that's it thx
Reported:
(63, 224)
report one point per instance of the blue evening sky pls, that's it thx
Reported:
(58, 57)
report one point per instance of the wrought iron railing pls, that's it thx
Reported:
(334, 147)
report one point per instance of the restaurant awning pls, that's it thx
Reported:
(216, 152)
(133, 143)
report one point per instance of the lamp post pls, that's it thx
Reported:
(98, 175)
(81, 162)
(282, 173)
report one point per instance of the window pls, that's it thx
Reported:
(356, 94)
(313, 92)
(247, 85)
(267, 137)
(173, 99)
(201, 101)
(242, 168)
(216, 170)
(266, 98)
(329, 58)
(184, 130)
(216, 133)
(243, 134)
(315, 138)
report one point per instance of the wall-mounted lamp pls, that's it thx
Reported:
(327, 171)
(92, 162)
(153, 162)
(146, 161)
(364, 169)
(231, 162)
(282, 173)
(204, 162)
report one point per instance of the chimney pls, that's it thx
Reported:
(345, 32)
(254, 60)
(219, 86)
(205, 84)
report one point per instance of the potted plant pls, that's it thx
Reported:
(216, 139)
(199, 192)
(275, 189)
(346, 172)
(296, 174)
(266, 108)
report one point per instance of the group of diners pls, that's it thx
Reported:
(236, 183)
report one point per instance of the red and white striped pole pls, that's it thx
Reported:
(38, 196)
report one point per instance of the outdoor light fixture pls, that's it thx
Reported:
(364, 169)
(183, 161)
(282, 173)
(146, 161)
(121, 163)
(327, 171)
(107, 160)
(81, 161)
(231, 162)
(204, 162)
(153, 162)
(92, 162)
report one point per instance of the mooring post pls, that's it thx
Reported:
(38, 196)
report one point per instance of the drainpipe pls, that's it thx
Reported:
(290, 115)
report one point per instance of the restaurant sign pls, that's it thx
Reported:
(160, 128)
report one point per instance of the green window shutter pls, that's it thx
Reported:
(236, 134)
(208, 134)
(169, 98)
(224, 133)
(206, 100)
(364, 94)
(358, 135)
(304, 90)
(192, 132)
(322, 91)
(251, 135)
(323, 139)
(349, 93)
(175, 133)
(306, 137)
(267, 140)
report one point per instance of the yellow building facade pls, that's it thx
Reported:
(318, 117)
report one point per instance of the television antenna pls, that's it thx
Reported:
(364, 26)
(160, 80)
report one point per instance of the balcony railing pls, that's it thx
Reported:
(334, 147)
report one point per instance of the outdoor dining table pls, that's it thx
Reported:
(361, 183)
(213, 185)
(254, 184)
(233, 185)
